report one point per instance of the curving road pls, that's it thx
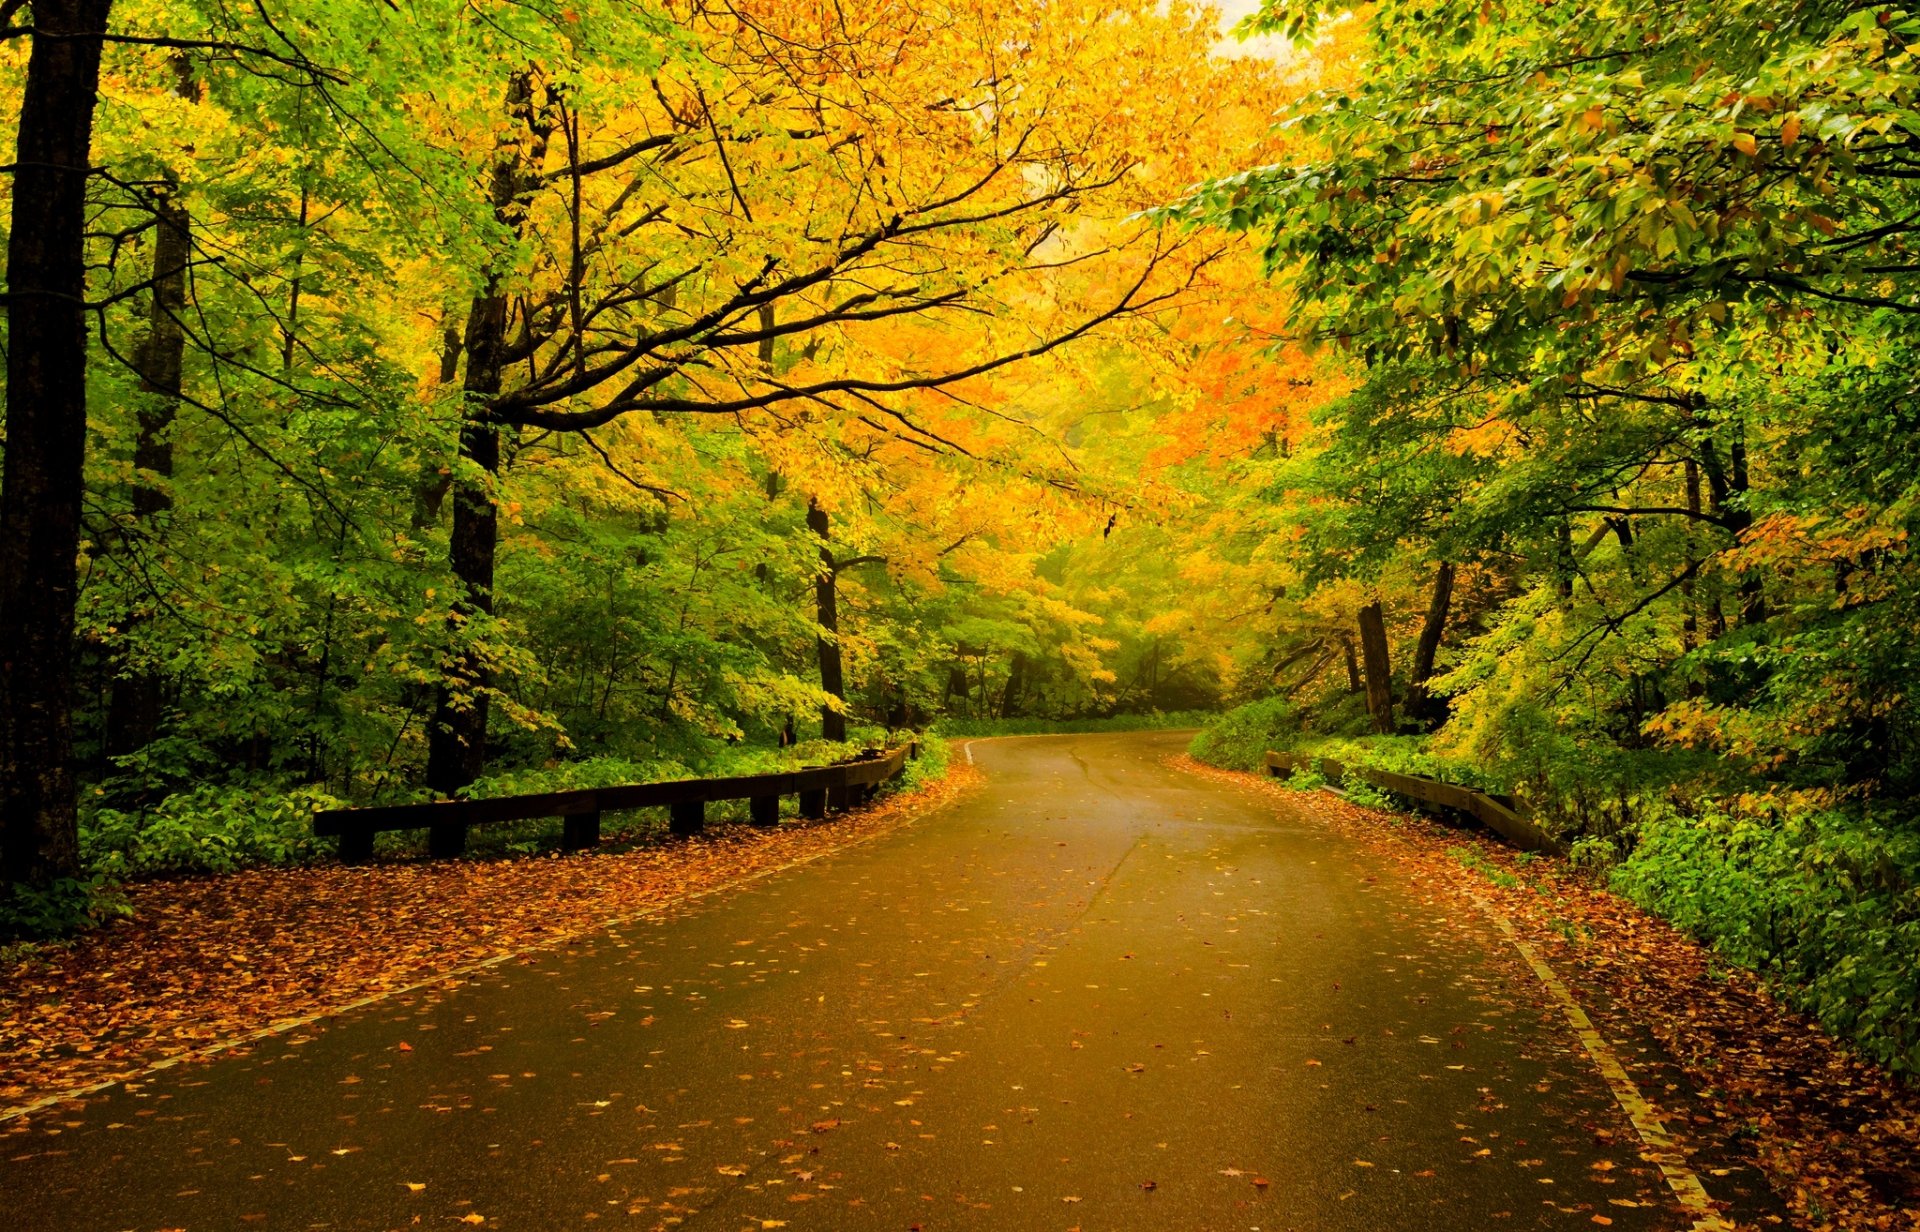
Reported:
(1095, 993)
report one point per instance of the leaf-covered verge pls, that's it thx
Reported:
(1742, 1078)
(206, 959)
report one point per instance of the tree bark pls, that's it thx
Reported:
(139, 694)
(1420, 704)
(1690, 622)
(1727, 484)
(432, 490)
(1016, 685)
(46, 425)
(457, 740)
(1354, 684)
(1373, 649)
(833, 723)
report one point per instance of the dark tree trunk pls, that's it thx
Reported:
(1753, 594)
(1690, 622)
(833, 723)
(1565, 564)
(457, 740)
(1353, 664)
(133, 713)
(1728, 485)
(1016, 685)
(432, 492)
(1420, 703)
(46, 424)
(1373, 648)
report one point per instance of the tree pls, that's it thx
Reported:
(46, 423)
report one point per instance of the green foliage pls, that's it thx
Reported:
(1240, 738)
(207, 829)
(1826, 901)
(1472, 859)
(1304, 781)
(67, 906)
(936, 753)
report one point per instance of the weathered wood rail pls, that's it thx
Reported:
(820, 788)
(1497, 815)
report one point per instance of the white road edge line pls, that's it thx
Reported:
(285, 1025)
(1661, 1148)
(967, 748)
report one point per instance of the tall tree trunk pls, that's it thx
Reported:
(833, 723)
(457, 740)
(1565, 564)
(1373, 648)
(1354, 684)
(1753, 594)
(1420, 704)
(133, 713)
(1690, 622)
(46, 424)
(1727, 484)
(432, 490)
(1016, 685)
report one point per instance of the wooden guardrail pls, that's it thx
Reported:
(1497, 815)
(820, 788)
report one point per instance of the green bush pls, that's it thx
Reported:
(1240, 738)
(929, 767)
(584, 773)
(1826, 902)
(214, 828)
(32, 913)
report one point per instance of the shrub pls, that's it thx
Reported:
(33, 913)
(214, 828)
(1240, 738)
(1826, 901)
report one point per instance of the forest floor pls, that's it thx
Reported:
(1838, 1139)
(207, 962)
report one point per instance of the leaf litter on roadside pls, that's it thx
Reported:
(207, 959)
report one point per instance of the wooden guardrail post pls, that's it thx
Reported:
(356, 844)
(579, 831)
(687, 817)
(813, 804)
(765, 810)
(446, 838)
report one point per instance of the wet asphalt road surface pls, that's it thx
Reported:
(1095, 993)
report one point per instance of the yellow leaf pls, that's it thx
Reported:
(1790, 131)
(1745, 143)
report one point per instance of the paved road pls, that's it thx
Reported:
(1096, 993)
